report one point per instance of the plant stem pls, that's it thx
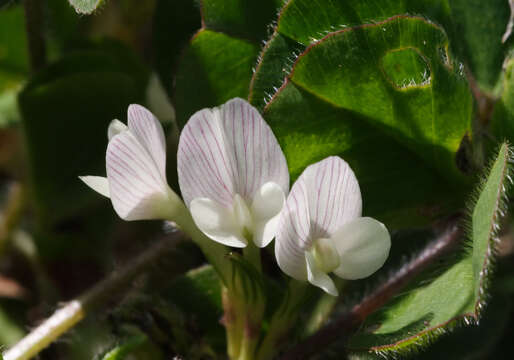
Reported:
(215, 253)
(74, 311)
(232, 322)
(253, 255)
(344, 324)
(34, 25)
(282, 320)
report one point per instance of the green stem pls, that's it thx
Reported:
(253, 255)
(232, 320)
(215, 253)
(74, 311)
(323, 309)
(248, 347)
(282, 320)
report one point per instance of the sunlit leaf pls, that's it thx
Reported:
(458, 295)
(345, 99)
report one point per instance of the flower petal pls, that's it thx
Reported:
(257, 155)
(334, 196)
(267, 203)
(99, 184)
(363, 245)
(148, 131)
(325, 196)
(115, 127)
(136, 187)
(293, 232)
(217, 222)
(226, 151)
(319, 278)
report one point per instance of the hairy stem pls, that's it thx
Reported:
(34, 25)
(74, 311)
(347, 322)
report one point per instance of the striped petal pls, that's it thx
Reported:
(334, 196)
(226, 151)
(148, 132)
(137, 183)
(99, 184)
(363, 245)
(293, 232)
(325, 197)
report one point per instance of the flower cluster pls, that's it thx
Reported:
(235, 182)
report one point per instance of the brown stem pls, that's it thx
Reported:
(34, 25)
(71, 313)
(348, 321)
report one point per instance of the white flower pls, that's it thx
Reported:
(232, 174)
(321, 229)
(136, 168)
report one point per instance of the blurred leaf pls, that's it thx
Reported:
(85, 6)
(13, 62)
(217, 65)
(64, 26)
(66, 110)
(9, 114)
(10, 333)
(502, 124)
(202, 303)
(479, 27)
(121, 351)
(351, 106)
(242, 18)
(174, 24)
(13, 42)
(419, 316)
(214, 69)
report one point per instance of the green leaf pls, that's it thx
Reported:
(174, 24)
(477, 38)
(242, 18)
(13, 63)
(13, 42)
(121, 351)
(214, 69)
(202, 303)
(351, 105)
(10, 332)
(85, 6)
(66, 110)
(9, 114)
(303, 22)
(476, 341)
(502, 123)
(458, 294)
(218, 64)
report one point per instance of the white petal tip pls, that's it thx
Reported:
(99, 184)
(115, 127)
